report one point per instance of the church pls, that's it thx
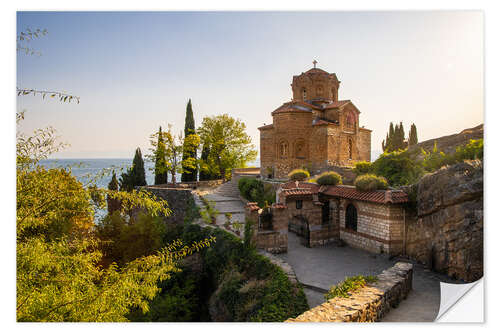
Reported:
(315, 130)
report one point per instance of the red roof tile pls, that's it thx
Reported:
(269, 126)
(346, 192)
(337, 104)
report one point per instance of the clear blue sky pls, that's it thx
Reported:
(136, 71)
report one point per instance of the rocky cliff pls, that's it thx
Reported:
(448, 144)
(447, 231)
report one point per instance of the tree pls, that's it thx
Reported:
(161, 175)
(394, 139)
(59, 276)
(189, 165)
(135, 176)
(204, 174)
(413, 138)
(113, 204)
(230, 146)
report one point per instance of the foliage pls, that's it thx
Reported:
(113, 204)
(329, 178)
(59, 272)
(205, 172)
(363, 167)
(398, 168)
(134, 176)
(161, 174)
(189, 161)
(370, 182)
(395, 139)
(256, 190)
(247, 235)
(209, 213)
(349, 285)
(22, 47)
(413, 137)
(226, 144)
(472, 150)
(299, 174)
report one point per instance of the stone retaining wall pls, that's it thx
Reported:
(178, 201)
(368, 304)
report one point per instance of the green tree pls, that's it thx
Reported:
(136, 175)
(189, 165)
(413, 138)
(159, 152)
(230, 146)
(113, 204)
(204, 173)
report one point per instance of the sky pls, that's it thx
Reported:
(136, 71)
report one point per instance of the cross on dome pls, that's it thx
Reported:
(314, 63)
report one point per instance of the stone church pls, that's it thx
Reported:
(315, 130)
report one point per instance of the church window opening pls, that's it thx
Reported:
(325, 213)
(283, 149)
(298, 204)
(319, 91)
(300, 149)
(304, 94)
(350, 122)
(351, 218)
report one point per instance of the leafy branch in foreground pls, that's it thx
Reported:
(28, 36)
(63, 97)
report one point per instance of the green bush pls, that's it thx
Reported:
(473, 150)
(361, 168)
(255, 190)
(398, 168)
(349, 285)
(299, 174)
(329, 178)
(370, 182)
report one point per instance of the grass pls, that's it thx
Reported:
(345, 288)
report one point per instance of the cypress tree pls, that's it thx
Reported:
(413, 138)
(135, 176)
(390, 141)
(161, 173)
(113, 204)
(190, 174)
(401, 137)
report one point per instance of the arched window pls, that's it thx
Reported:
(351, 217)
(319, 90)
(350, 121)
(283, 149)
(300, 149)
(304, 94)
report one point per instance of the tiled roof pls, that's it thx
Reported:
(316, 70)
(279, 205)
(319, 122)
(346, 192)
(269, 126)
(337, 104)
(380, 196)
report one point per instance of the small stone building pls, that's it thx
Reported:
(314, 130)
(373, 221)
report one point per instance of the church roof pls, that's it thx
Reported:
(316, 70)
(346, 192)
(337, 104)
(319, 122)
(269, 126)
(296, 106)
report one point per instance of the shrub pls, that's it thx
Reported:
(361, 168)
(299, 174)
(329, 178)
(370, 182)
(473, 150)
(349, 285)
(398, 167)
(255, 190)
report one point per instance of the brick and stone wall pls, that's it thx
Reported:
(379, 227)
(274, 239)
(368, 304)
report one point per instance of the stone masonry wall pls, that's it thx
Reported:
(379, 227)
(368, 304)
(178, 201)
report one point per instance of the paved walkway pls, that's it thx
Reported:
(321, 267)
(226, 200)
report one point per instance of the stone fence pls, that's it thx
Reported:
(368, 304)
(190, 185)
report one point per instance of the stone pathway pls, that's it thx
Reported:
(226, 200)
(321, 267)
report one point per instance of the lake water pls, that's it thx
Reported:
(94, 168)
